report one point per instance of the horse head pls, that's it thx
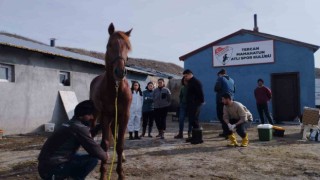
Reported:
(118, 48)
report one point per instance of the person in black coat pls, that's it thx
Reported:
(195, 99)
(58, 158)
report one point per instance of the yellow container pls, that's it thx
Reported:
(278, 131)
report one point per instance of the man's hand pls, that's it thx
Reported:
(231, 126)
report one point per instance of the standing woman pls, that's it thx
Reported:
(147, 110)
(162, 100)
(135, 111)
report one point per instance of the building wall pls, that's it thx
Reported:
(288, 58)
(317, 92)
(33, 99)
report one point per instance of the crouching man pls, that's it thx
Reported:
(235, 115)
(59, 158)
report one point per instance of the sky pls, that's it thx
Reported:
(163, 30)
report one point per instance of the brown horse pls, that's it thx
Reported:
(105, 88)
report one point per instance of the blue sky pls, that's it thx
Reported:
(163, 30)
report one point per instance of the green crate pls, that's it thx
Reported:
(265, 134)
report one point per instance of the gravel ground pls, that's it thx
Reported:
(285, 157)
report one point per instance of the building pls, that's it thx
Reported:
(41, 83)
(286, 65)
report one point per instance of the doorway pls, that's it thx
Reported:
(285, 96)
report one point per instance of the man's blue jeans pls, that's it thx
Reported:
(182, 116)
(77, 168)
(263, 108)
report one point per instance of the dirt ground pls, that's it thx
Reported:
(285, 157)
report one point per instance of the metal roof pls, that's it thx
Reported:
(46, 49)
(242, 31)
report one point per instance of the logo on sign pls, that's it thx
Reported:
(223, 54)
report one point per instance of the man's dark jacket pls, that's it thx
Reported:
(65, 142)
(195, 94)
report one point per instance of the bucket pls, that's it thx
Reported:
(265, 132)
(49, 127)
(278, 131)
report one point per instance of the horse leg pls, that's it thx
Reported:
(120, 145)
(105, 145)
(117, 148)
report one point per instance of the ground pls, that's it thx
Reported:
(285, 157)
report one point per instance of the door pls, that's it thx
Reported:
(285, 96)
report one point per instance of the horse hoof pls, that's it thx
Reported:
(123, 158)
(121, 177)
(103, 177)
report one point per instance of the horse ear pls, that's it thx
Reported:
(128, 32)
(111, 29)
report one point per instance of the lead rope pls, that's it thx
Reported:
(115, 130)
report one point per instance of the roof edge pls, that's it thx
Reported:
(241, 31)
(182, 58)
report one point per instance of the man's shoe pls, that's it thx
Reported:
(136, 135)
(233, 140)
(179, 135)
(196, 136)
(189, 139)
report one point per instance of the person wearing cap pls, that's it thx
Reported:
(147, 109)
(195, 99)
(263, 96)
(224, 84)
(59, 157)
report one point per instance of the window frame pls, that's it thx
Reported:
(9, 72)
(67, 75)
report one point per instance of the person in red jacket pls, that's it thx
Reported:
(59, 159)
(263, 95)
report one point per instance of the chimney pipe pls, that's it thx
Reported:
(52, 42)
(255, 29)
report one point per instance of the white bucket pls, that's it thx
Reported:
(49, 127)
(264, 126)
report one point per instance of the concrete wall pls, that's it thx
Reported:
(33, 99)
(288, 58)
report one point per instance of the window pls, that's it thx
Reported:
(6, 73)
(64, 78)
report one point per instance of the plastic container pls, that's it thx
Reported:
(265, 132)
(278, 131)
(49, 127)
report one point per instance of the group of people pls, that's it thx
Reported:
(232, 114)
(150, 105)
(191, 98)
(153, 104)
(59, 157)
